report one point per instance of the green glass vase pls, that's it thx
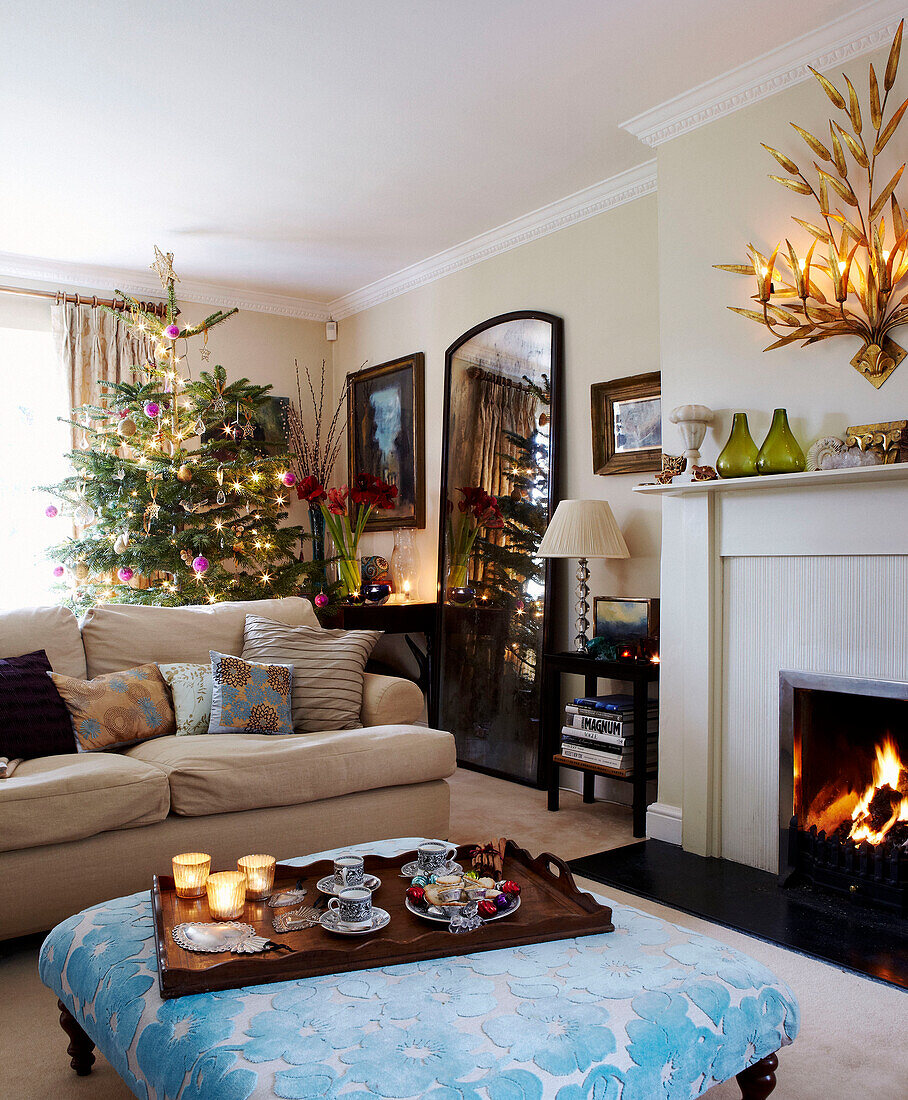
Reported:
(780, 453)
(739, 455)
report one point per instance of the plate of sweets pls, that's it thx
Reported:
(449, 897)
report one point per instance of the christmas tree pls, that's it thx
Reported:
(173, 499)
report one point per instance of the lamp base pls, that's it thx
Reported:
(582, 606)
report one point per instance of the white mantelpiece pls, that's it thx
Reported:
(804, 571)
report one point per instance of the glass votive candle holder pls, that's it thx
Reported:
(190, 873)
(259, 872)
(226, 895)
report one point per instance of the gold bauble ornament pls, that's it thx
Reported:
(81, 570)
(184, 473)
(127, 428)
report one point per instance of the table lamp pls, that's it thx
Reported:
(583, 529)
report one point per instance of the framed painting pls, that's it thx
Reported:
(626, 620)
(627, 424)
(386, 438)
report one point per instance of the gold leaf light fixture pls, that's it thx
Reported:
(856, 284)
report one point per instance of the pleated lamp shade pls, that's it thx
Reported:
(583, 529)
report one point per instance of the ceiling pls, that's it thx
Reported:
(310, 147)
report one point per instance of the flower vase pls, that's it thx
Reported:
(739, 455)
(317, 527)
(350, 574)
(780, 453)
(460, 591)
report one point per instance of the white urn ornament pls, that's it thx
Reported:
(692, 421)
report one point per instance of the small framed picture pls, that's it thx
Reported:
(627, 424)
(623, 620)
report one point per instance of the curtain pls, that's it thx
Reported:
(94, 347)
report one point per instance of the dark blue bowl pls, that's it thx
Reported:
(374, 595)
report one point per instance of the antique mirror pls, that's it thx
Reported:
(499, 474)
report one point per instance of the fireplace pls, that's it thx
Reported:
(843, 785)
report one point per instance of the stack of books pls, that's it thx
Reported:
(599, 729)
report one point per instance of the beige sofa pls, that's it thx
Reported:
(78, 829)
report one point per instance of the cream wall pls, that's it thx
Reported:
(714, 196)
(600, 276)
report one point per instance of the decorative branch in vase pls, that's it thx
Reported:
(366, 493)
(477, 510)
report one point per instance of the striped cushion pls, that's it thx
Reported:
(328, 669)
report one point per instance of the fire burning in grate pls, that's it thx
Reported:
(878, 815)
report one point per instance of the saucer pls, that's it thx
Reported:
(327, 884)
(331, 923)
(411, 870)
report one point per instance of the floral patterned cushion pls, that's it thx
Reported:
(651, 1011)
(119, 709)
(190, 686)
(248, 698)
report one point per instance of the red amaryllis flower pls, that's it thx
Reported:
(337, 500)
(311, 489)
(384, 495)
(490, 517)
(473, 496)
(363, 489)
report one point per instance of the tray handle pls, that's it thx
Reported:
(556, 867)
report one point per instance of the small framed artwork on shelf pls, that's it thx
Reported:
(385, 437)
(626, 620)
(627, 424)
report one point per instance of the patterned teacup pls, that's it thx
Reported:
(353, 907)
(348, 871)
(433, 854)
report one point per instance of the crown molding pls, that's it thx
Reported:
(615, 191)
(866, 28)
(62, 275)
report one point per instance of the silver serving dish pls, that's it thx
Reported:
(219, 937)
(443, 914)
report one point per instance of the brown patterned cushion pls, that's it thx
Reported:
(119, 709)
(33, 718)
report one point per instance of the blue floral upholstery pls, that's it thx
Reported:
(651, 1011)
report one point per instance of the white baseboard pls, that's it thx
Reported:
(663, 822)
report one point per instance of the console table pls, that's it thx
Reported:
(399, 618)
(638, 673)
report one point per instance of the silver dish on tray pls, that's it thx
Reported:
(218, 937)
(443, 914)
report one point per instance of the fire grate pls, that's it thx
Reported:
(877, 875)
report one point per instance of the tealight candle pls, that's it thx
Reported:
(226, 895)
(259, 872)
(190, 873)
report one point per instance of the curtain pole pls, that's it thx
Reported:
(93, 300)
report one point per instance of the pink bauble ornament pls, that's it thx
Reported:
(50, 511)
(200, 564)
(289, 479)
(123, 414)
(59, 571)
(125, 574)
(321, 599)
(152, 409)
(172, 332)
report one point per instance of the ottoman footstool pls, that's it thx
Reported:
(649, 1012)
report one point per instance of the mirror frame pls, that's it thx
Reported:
(554, 495)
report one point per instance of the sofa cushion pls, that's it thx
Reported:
(120, 709)
(190, 686)
(248, 698)
(328, 669)
(34, 720)
(53, 629)
(61, 798)
(211, 775)
(118, 636)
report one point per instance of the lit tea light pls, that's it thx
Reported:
(654, 660)
(190, 873)
(226, 895)
(406, 590)
(259, 872)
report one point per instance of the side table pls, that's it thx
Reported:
(399, 618)
(639, 673)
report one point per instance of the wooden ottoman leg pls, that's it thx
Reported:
(80, 1046)
(758, 1080)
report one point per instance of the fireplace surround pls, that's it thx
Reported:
(843, 785)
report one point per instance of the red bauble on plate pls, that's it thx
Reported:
(509, 887)
(416, 895)
(487, 908)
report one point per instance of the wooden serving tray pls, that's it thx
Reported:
(552, 908)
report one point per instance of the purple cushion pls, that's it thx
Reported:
(34, 720)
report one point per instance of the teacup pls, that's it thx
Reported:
(353, 907)
(348, 871)
(433, 854)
